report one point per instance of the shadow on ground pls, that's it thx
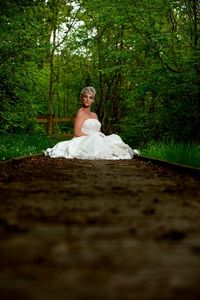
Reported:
(98, 230)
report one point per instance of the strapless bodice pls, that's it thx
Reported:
(91, 126)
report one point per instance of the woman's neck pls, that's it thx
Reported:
(86, 110)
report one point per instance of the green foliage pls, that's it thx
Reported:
(182, 153)
(142, 57)
(23, 88)
(15, 145)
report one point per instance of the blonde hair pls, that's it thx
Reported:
(88, 89)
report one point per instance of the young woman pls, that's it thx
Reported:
(88, 141)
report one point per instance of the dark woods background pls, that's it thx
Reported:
(143, 58)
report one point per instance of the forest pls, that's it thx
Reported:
(142, 57)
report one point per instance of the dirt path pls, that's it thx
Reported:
(98, 230)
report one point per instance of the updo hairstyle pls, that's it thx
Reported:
(88, 89)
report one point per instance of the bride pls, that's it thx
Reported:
(88, 141)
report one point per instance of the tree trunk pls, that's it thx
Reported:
(196, 50)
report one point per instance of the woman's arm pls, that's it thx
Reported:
(78, 123)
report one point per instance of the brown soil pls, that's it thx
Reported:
(98, 230)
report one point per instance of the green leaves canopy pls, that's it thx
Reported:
(142, 57)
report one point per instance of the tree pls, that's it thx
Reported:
(142, 57)
(22, 52)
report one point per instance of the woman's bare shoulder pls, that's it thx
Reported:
(80, 114)
(94, 115)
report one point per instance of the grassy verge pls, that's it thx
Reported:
(182, 153)
(15, 145)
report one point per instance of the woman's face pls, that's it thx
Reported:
(87, 99)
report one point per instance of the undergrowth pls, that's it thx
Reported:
(181, 153)
(15, 145)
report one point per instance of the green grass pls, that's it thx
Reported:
(181, 153)
(15, 145)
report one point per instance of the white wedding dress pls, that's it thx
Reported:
(94, 145)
